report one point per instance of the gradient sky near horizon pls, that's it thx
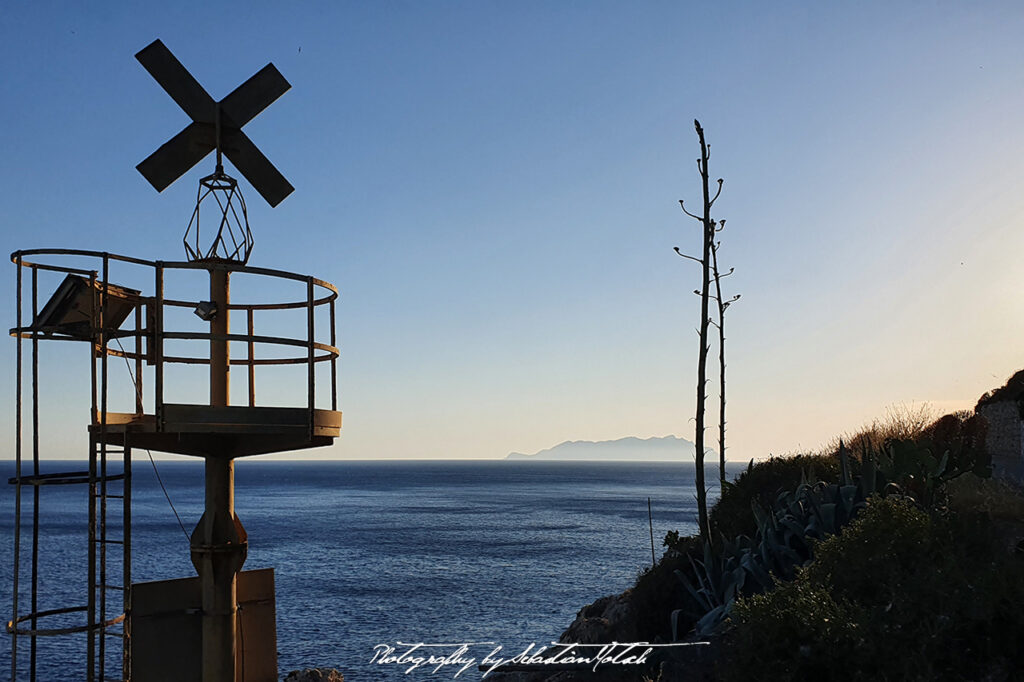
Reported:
(493, 187)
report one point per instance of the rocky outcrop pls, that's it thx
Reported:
(314, 675)
(609, 619)
(614, 619)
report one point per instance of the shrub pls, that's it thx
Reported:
(658, 592)
(962, 435)
(924, 596)
(1012, 390)
(997, 498)
(762, 482)
(794, 632)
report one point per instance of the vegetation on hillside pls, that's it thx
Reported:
(891, 554)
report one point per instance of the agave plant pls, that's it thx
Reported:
(798, 518)
(784, 542)
(914, 468)
(719, 577)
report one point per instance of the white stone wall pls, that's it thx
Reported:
(1005, 439)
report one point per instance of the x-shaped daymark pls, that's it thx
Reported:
(199, 138)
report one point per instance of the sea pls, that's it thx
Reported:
(375, 554)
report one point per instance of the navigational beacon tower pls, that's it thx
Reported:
(139, 312)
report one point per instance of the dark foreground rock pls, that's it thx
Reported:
(614, 619)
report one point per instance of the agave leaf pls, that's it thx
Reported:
(697, 594)
(711, 570)
(848, 495)
(700, 571)
(712, 619)
(813, 529)
(844, 463)
(731, 585)
(828, 517)
(757, 571)
(886, 464)
(760, 515)
(729, 547)
(929, 466)
(675, 624)
(794, 527)
(702, 601)
(868, 476)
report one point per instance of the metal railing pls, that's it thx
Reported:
(146, 327)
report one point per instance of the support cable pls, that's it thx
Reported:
(150, 454)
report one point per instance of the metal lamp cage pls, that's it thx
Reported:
(125, 323)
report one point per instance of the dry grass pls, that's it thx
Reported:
(901, 422)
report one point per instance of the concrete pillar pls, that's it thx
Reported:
(219, 541)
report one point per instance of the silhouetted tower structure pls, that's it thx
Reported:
(188, 629)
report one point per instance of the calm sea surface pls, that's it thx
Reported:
(367, 553)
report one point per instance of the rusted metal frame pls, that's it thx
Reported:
(91, 570)
(76, 252)
(334, 360)
(252, 350)
(52, 333)
(62, 478)
(18, 483)
(330, 351)
(290, 305)
(249, 270)
(58, 268)
(139, 406)
(129, 354)
(48, 632)
(181, 265)
(126, 569)
(27, 333)
(311, 343)
(181, 360)
(104, 357)
(273, 340)
(35, 472)
(158, 347)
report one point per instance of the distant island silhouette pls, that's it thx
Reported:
(629, 449)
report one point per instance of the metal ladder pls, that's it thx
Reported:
(106, 617)
(108, 607)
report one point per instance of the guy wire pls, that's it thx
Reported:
(131, 374)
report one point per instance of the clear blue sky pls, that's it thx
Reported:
(493, 187)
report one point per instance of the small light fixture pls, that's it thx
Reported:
(206, 310)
